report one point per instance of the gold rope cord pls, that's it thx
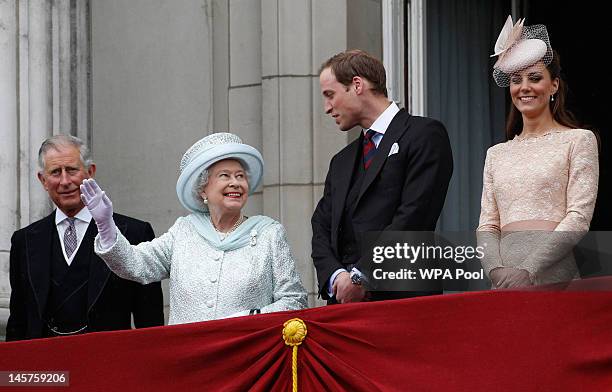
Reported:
(294, 333)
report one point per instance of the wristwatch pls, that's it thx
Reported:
(356, 278)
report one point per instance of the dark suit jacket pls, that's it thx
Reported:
(401, 192)
(111, 300)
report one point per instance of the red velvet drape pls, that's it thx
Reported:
(484, 341)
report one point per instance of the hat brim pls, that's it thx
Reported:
(248, 156)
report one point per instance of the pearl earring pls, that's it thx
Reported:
(205, 200)
(552, 98)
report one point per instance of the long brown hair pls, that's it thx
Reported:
(514, 123)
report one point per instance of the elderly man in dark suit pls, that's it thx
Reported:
(58, 285)
(393, 177)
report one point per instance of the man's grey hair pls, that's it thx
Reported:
(57, 141)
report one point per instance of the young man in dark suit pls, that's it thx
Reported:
(393, 177)
(58, 285)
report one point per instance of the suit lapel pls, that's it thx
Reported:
(343, 180)
(396, 129)
(99, 272)
(38, 259)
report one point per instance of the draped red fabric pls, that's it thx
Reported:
(484, 341)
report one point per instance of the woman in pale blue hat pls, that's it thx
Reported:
(219, 262)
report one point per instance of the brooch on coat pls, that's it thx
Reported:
(253, 241)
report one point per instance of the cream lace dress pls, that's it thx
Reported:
(551, 177)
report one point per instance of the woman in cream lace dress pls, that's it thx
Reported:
(539, 187)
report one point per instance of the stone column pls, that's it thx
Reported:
(298, 141)
(44, 90)
(244, 89)
(36, 102)
(9, 167)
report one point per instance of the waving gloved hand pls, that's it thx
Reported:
(101, 209)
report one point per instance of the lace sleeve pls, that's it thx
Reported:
(488, 231)
(582, 184)
(581, 195)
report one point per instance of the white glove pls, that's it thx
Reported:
(101, 209)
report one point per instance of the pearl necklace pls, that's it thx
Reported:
(234, 227)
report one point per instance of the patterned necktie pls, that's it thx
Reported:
(369, 148)
(70, 238)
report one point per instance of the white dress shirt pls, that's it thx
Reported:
(81, 223)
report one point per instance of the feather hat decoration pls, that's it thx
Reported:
(519, 47)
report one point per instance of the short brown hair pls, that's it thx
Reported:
(346, 65)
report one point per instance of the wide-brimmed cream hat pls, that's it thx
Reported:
(208, 151)
(519, 47)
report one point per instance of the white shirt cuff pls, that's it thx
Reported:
(330, 284)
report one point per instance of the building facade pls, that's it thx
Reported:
(142, 80)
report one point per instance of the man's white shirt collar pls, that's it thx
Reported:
(83, 215)
(384, 120)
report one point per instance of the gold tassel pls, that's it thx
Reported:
(294, 333)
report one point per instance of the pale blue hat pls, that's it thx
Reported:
(207, 151)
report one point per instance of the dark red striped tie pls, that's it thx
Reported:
(369, 148)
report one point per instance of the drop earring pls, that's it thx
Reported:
(205, 200)
(552, 98)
